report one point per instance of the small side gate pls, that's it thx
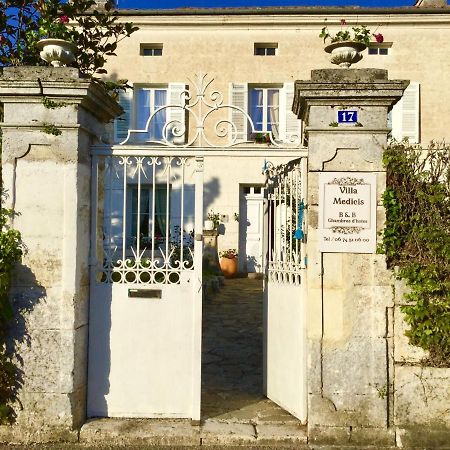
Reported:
(284, 290)
(146, 277)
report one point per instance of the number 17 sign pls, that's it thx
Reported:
(347, 116)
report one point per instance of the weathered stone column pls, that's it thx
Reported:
(51, 118)
(350, 305)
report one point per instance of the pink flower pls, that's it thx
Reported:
(343, 22)
(64, 19)
(379, 38)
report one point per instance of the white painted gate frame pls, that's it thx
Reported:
(284, 314)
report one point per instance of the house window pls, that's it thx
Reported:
(264, 109)
(379, 49)
(140, 103)
(270, 110)
(149, 225)
(265, 49)
(148, 101)
(151, 49)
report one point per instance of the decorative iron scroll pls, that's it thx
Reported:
(144, 221)
(285, 194)
(199, 107)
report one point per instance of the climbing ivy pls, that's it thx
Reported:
(10, 254)
(416, 240)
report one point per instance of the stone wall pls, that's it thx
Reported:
(367, 385)
(48, 181)
(421, 394)
(349, 294)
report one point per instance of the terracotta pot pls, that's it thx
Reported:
(229, 267)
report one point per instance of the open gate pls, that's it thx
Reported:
(146, 258)
(285, 287)
(146, 277)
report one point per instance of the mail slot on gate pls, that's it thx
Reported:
(145, 293)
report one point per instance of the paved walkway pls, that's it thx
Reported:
(232, 370)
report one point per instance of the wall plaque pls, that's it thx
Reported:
(347, 212)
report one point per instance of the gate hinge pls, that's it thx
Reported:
(198, 237)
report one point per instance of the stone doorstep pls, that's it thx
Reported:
(182, 432)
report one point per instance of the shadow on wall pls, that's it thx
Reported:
(25, 294)
(211, 190)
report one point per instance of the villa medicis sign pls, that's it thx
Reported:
(347, 212)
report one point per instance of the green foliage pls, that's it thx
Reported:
(51, 104)
(230, 253)
(359, 33)
(96, 33)
(10, 254)
(417, 240)
(49, 128)
(215, 219)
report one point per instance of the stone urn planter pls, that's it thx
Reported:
(345, 53)
(208, 225)
(229, 267)
(57, 52)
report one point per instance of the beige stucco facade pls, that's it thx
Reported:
(221, 44)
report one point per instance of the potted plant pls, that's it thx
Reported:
(56, 46)
(212, 222)
(347, 44)
(229, 262)
(261, 138)
(91, 32)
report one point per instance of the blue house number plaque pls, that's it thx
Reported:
(347, 116)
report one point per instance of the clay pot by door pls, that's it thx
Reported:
(229, 267)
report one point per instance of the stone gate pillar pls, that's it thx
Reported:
(349, 304)
(51, 118)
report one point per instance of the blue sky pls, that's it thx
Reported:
(164, 4)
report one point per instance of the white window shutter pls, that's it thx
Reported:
(123, 123)
(176, 116)
(239, 98)
(290, 125)
(406, 115)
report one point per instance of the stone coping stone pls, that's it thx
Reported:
(348, 75)
(43, 73)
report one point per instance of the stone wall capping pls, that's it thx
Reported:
(338, 87)
(22, 84)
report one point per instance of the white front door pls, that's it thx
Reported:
(284, 291)
(251, 230)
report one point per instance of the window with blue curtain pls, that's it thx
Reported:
(264, 109)
(149, 101)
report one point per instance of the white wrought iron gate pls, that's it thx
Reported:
(146, 276)
(284, 289)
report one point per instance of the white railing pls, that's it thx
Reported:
(203, 115)
(144, 217)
